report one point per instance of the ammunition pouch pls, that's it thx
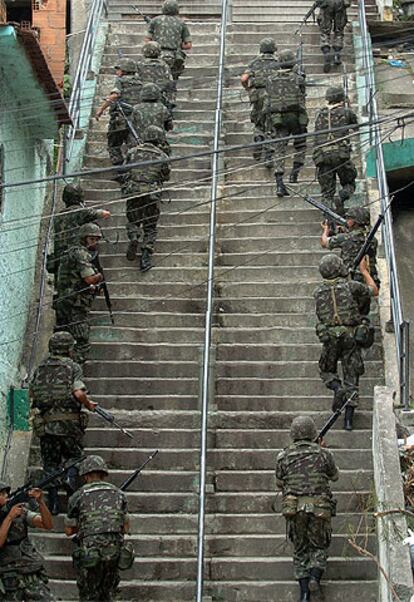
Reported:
(83, 420)
(126, 557)
(9, 583)
(322, 332)
(320, 507)
(85, 559)
(364, 334)
(289, 506)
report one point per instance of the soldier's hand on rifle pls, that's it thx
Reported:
(90, 405)
(325, 226)
(106, 214)
(16, 511)
(36, 494)
(363, 266)
(322, 442)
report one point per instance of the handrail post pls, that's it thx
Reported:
(205, 388)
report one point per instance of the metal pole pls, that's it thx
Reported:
(209, 310)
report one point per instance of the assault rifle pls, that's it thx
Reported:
(122, 106)
(146, 18)
(299, 57)
(329, 213)
(21, 495)
(364, 249)
(310, 13)
(102, 285)
(125, 485)
(331, 421)
(111, 419)
(346, 85)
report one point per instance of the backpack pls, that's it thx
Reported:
(283, 92)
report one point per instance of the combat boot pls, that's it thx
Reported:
(304, 590)
(146, 260)
(257, 150)
(53, 501)
(326, 59)
(349, 417)
(315, 584)
(132, 250)
(280, 187)
(294, 174)
(337, 57)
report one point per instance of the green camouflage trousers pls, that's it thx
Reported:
(55, 450)
(311, 537)
(175, 59)
(332, 20)
(75, 319)
(285, 125)
(328, 171)
(15, 587)
(143, 212)
(117, 135)
(97, 567)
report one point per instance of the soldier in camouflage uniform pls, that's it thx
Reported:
(351, 242)
(332, 152)
(151, 111)
(286, 112)
(332, 18)
(254, 80)
(342, 308)
(125, 92)
(143, 210)
(153, 69)
(97, 514)
(57, 395)
(173, 35)
(22, 572)
(67, 223)
(77, 284)
(303, 472)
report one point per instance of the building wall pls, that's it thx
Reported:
(3, 12)
(24, 158)
(50, 17)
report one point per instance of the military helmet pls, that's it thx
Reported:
(287, 58)
(90, 229)
(331, 266)
(267, 46)
(170, 7)
(93, 464)
(127, 65)
(335, 94)
(303, 427)
(72, 195)
(61, 342)
(360, 215)
(151, 50)
(153, 134)
(150, 92)
(4, 487)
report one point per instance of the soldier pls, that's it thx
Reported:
(332, 152)
(285, 106)
(77, 284)
(97, 515)
(153, 69)
(68, 221)
(143, 210)
(22, 573)
(57, 395)
(173, 35)
(254, 80)
(303, 472)
(342, 308)
(150, 111)
(332, 17)
(127, 90)
(352, 241)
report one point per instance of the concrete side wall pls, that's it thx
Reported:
(24, 158)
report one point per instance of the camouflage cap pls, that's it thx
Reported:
(153, 134)
(72, 195)
(170, 7)
(4, 486)
(151, 50)
(61, 342)
(303, 427)
(335, 94)
(331, 266)
(126, 65)
(90, 229)
(287, 58)
(150, 92)
(360, 215)
(93, 464)
(267, 46)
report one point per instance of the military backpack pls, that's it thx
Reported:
(283, 91)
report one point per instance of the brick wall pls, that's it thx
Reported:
(50, 17)
(3, 12)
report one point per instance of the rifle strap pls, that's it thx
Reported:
(337, 318)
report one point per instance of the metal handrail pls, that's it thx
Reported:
(84, 63)
(401, 326)
(205, 387)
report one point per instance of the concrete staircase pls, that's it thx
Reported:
(146, 368)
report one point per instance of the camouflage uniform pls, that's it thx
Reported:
(58, 420)
(128, 87)
(22, 574)
(99, 511)
(303, 472)
(258, 71)
(153, 69)
(341, 308)
(170, 32)
(286, 108)
(332, 152)
(352, 241)
(151, 112)
(74, 296)
(144, 210)
(333, 18)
